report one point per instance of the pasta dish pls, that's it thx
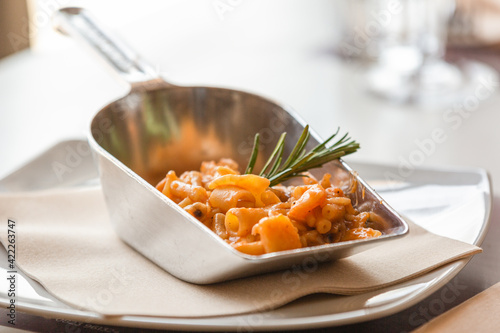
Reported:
(256, 218)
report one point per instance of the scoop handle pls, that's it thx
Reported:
(79, 24)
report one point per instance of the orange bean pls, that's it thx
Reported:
(277, 233)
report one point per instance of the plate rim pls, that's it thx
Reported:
(326, 320)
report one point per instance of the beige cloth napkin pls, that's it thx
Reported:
(65, 241)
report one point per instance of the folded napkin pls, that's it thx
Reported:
(65, 241)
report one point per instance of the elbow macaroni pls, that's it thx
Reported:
(257, 219)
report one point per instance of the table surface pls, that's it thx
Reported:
(282, 51)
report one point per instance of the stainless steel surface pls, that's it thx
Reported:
(158, 127)
(454, 202)
(124, 61)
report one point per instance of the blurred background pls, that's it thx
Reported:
(390, 72)
(414, 81)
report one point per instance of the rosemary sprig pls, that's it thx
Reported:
(253, 157)
(299, 161)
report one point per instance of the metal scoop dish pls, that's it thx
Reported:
(158, 127)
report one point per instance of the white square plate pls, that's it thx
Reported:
(453, 202)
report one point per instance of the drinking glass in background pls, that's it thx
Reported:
(403, 43)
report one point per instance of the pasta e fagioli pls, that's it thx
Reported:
(255, 218)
